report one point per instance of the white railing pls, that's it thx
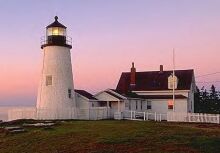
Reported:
(193, 117)
(44, 40)
(134, 115)
(98, 113)
(172, 117)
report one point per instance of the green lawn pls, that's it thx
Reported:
(110, 136)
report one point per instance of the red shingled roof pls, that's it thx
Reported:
(154, 80)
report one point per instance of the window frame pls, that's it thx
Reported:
(136, 105)
(69, 93)
(170, 105)
(149, 105)
(129, 105)
(141, 105)
(49, 80)
(56, 31)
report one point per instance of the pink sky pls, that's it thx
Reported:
(107, 38)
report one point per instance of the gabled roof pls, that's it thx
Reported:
(85, 94)
(114, 95)
(154, 80)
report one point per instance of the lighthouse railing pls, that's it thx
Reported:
(44, 40)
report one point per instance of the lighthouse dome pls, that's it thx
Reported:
(56, 24)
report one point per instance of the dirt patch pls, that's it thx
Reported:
(208, 126)
(2, 130)
(119, 148)
(178, 148)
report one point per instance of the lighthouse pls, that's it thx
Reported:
(56, 97)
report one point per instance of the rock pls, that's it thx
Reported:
(14, 129)
(39, 124)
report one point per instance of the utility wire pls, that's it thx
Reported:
(208, 82)
(207, 74)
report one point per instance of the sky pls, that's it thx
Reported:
(107, 37)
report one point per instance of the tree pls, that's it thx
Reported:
(197, 101)
(213, 93)
(207, 102)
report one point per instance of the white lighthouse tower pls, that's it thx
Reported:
(56, 97)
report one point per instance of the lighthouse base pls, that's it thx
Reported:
(56, 114)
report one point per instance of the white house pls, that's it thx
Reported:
(90, 108)
(152, 91)
(85, 100)
(112, 100)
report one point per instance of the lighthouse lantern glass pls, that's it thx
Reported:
(56, 31)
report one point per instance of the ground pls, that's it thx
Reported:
(109, 136)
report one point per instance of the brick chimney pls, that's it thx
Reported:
(133, 73)
(161, 68)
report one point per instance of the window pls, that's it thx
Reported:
(61, 31)
(170, 104)
(148, 104)
(141, 105)
(136, 104)
(69, 93)
(49, 80)
(126, 104)
(191, 107)
(49, 31)
(103, 103)
(129, 104)
(55, 31)
(110, 104)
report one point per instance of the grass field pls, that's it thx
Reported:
(110, 136)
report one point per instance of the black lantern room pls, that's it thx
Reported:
(56, 35)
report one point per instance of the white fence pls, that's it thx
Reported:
(172, 117)
(21, 113)
(193, 117)
(98, 113)
(94, 113)
(51, 114)
(134, 115)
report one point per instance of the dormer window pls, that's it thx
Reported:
(172, 82)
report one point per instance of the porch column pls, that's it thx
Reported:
(118, 106)
(108, 109)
